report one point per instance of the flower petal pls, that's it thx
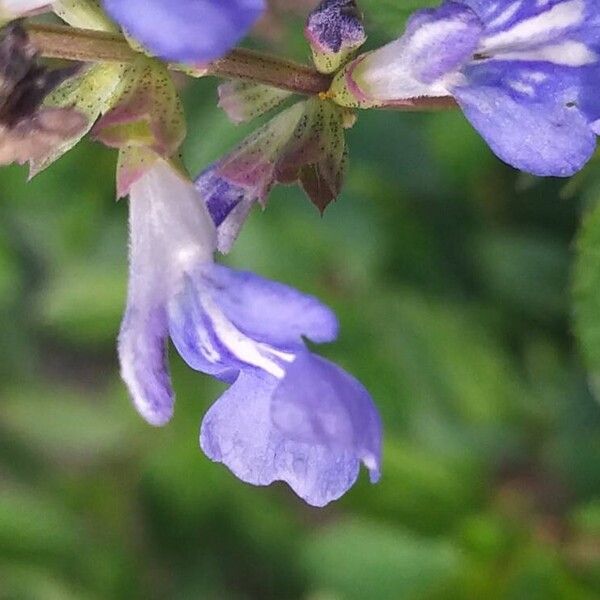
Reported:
(210, 342)
(189, 31)
(518, 24)
(143, 359)
(269, 311)
(168, 229)
(424, 61)
(319, 403)
(195, 338)
(238, 431)
(541, 132)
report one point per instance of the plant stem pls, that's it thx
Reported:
(59, 41)
(85, 45)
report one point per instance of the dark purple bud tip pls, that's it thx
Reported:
(334, 30)
(220, 195)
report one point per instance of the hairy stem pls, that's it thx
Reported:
(70, 43)
(58, 41)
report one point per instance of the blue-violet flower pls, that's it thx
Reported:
(289, 415)
(526, 74)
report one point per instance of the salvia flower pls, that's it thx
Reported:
(288, 415)
(187, 31)
(525, 73)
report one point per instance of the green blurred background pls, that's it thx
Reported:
(450, 273)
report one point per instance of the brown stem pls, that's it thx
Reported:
(86, 45)
(60, 41)
(241, 63)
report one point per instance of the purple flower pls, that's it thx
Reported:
(288, 415)
(525, 73)
(188, 31)
(310, 428)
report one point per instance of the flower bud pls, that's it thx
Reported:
(334, 30)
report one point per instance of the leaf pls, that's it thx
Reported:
(32, 581)
(527, 272)
(253, 162)
(586, 296)
(64, 425)
(316, 154)
(33, 523)
(82, 304)
(362, 559)
(448, 360)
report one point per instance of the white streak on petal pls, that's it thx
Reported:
(208, 350)
(569, 54)
(505, 16)
(522, 88)
(245, 349)
(535, 76)
(537, 29)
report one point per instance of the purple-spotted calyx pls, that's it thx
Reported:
(289, 415)
(526, 74)
(334, 30)
(304, 143)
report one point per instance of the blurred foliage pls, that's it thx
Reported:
(450, 273)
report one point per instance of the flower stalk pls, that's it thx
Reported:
(71, 43)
